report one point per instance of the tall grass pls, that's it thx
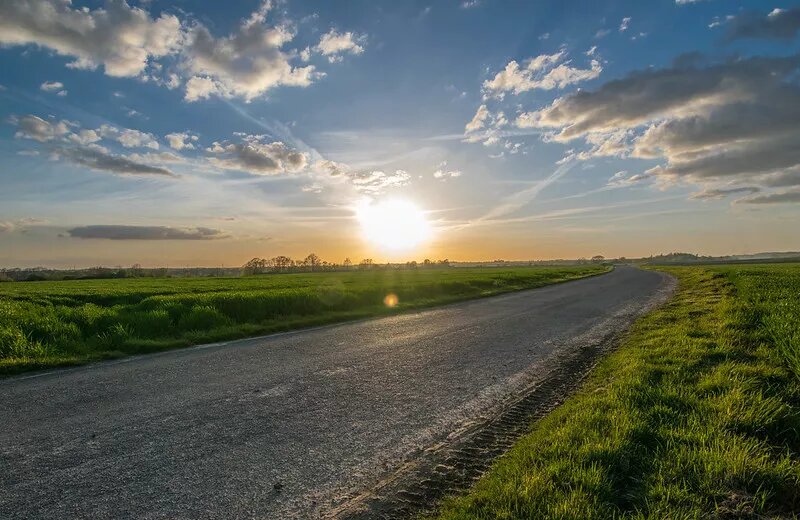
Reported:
(52, 323)
(694, 416)
(771, 294)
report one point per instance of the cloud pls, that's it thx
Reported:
(478, 120)
(181, 140)
(120, 38)
(544, 72)
(118, 232)
(254, 155)
(772, 198)
(376, 181)
(442, 173)
(370, 182)
(7, 226)
(51, 86)
(737, 119)
(719, 193)
(334, 44)
(623, 26)
(246, 63)
(79, 146)
(779, 24)
(127, 41)
(470, 4)
(84, 137)
(38, 129)
(128, 137)
(99, 159)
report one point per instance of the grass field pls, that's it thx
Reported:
(46, 324)
(694, 416)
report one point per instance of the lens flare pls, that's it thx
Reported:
(393, 224)
(391, 300)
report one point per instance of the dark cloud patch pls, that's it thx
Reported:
(101, 160)
(648, 95)
(779, 24)
(114, 232)
(719, 193)
(253, 155)
(779, 197)
(737, 120)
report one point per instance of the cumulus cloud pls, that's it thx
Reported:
(96, 158)
(254, 155)
(181, 140)
(128, 41)
(118, 232)
(376, 181)
(624, 24)
(442, 173)
(117, 36)
(333, 44)
(38, 129)
(478, 120)
(546, 72)
(739, 119)
(371, 182)
(779, 24)
(246, 63)
(79, 146)
(51, 86)
(128, 137)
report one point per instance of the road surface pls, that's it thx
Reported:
(287, 425)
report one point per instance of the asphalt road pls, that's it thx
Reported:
(208, 432)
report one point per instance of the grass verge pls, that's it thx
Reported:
(694, 416)
(46, 324)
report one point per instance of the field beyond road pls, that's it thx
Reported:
(694, 416)
(45, 324)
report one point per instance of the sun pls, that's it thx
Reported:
(394, 224)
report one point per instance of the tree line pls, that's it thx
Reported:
(313, 262)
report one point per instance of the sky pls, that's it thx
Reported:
(204, 133)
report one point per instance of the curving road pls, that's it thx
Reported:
(287, 425)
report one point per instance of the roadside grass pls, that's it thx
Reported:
(46, 324)
(694, 416)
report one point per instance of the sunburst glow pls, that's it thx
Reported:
(393, 224)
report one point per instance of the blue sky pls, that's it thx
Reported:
(206, 133)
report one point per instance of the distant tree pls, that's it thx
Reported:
(255, 266)
(598, 258)
(412, 264)
(366, 263)
(347, 264)
(426, 262)
(281, 263)
(445, 262)
(312, 261)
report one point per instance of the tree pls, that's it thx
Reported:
(281, 263)
(347, 264)
(366, 263)
(426, 262)
(598, 258)
(255, 266)
(312, 261)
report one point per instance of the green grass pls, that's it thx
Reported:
(45, 324)
(694, 416)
